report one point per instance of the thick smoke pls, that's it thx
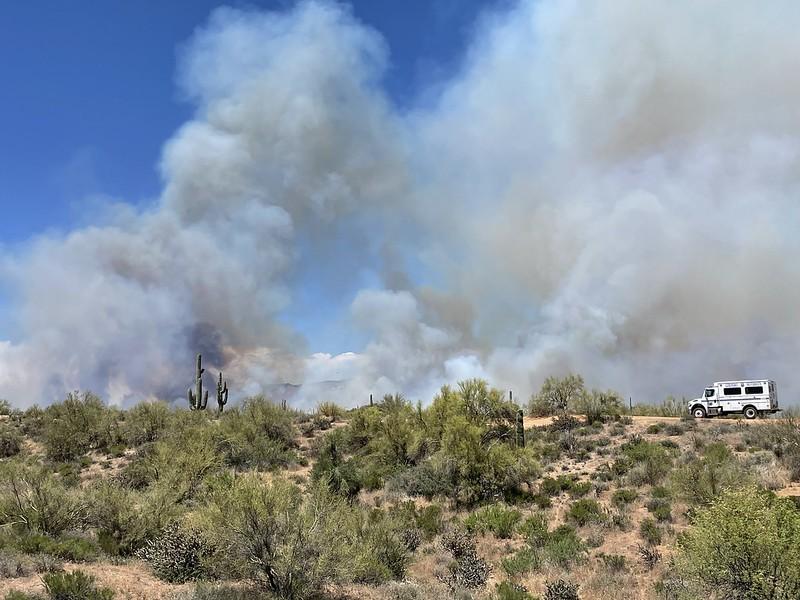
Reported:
(608, 188)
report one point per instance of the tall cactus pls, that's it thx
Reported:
(520, 429)
(199, 398)
(222, 392)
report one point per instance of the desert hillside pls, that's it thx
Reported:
(462, 498)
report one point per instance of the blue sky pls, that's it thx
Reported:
(90, 97)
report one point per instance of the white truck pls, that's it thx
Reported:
(750, 398)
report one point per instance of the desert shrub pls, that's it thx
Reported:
(125, 519)
(78, 424)
(624, 496)
(542, 501)
(467, 570)
(380, 545)
(507, 590)
(560, 590)
(650, 532)
(557, 395)
(584, 512)
(257, 434)
(220, 591)
(287, 541)
(598, 406)
(13, 564)
(551, 486)
(34, 500)
(580, 489)
(564, 548)
(534, 529)
(613, 562)
(652, 461)
(146, 422)
(66, 547)
(522, 562)
(496, 518)
(177, 555)
(700, 480)
(331, 410)
(332, 468)
(650, 555)
(429, 520)
(674, 429)
(655, 428)
(76, 585)
(18, 595)
(660, 508)
(670, 407)
(10, 441)
(746, 544)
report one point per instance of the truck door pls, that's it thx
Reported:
(712, 400)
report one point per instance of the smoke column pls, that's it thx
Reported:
(605, 188)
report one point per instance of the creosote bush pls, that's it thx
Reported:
(745, 544)
(76, 585)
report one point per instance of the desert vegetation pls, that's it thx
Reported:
(397, 500)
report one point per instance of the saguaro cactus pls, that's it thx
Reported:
(520, 430)
(199, 398)
(222, 392)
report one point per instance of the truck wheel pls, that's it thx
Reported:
(698, 412)
(750, 412)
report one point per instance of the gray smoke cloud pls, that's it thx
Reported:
(607, 188)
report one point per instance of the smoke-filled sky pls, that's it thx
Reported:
(606, 188)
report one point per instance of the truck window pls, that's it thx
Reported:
(754, 389)
(732, 391)
(709, 392)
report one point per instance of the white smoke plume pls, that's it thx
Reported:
(607, 188)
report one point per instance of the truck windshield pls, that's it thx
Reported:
(709, 392)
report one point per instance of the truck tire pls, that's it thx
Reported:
(750, 412)
(698, 412)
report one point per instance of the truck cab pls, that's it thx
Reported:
(751, 398)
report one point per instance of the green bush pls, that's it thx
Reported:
(17, 595)
(177, 555)
(65, 547)
(522, 562)
(660, 508)
(34, 500)
(700, 480)
(624, 496)
(553, 486)
(78, 424)
(580, 489)
(507, 590)
(746, 544)
(585, 511)
(564, 548)
(146, 422)
(76, 585)
(650, 532)
(557, 396)
(534, 529)
(496, 518)
(332, 468)
(125, 519)
(290, 542)
(10, 441)
(331, 410)
(615, 563)
(652, 461)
